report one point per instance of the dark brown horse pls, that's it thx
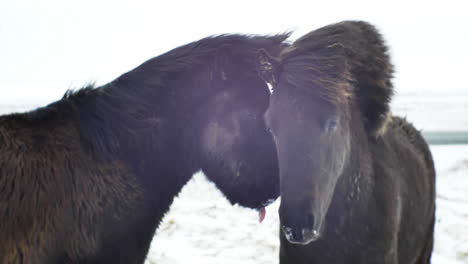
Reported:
(357, 185)
(87, 179)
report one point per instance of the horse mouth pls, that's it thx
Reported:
(262, 210)
(301, 236)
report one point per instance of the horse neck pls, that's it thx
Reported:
(141, 121)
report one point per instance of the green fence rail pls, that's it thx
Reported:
(446, 137)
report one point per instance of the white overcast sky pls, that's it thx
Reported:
(49, 46)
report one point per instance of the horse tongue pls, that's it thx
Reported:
(261, 214)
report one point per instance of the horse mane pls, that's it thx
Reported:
(317, 70)
(345, 60)
(124, 115)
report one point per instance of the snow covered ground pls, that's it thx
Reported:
(202, 227)
(451, 243)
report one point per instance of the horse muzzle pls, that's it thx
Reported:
(300, 236)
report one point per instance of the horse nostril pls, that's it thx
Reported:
(291, 234)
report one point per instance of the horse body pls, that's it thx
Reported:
(357, 185)
(87, 179)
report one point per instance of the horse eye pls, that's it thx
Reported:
(332, 124)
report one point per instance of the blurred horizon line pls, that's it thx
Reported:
(35, 98)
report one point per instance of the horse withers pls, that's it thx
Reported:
(357, 184)
(87, 179)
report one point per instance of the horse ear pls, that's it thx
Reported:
(266, 66)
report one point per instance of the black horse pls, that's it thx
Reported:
(357, 185)
(88, 178)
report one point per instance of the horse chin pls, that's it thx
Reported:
(268, 202)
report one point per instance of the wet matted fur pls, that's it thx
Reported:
(356, 186)
(88, 178)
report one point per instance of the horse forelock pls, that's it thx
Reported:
(322, 73)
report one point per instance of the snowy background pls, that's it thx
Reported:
(202, 227)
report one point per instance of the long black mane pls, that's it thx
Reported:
(125, 108)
